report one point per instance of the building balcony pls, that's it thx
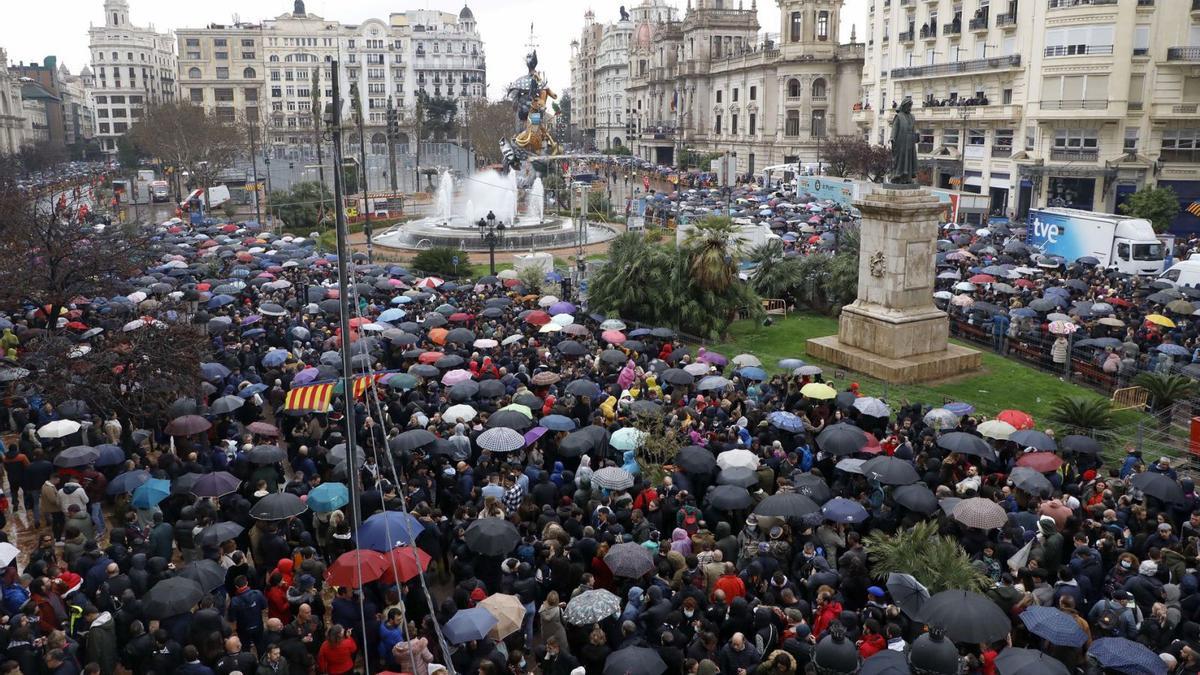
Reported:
(994, 112)
(952, 28)
(959, 67)
(863, 117)
(979, 23)
(819, 100)
(1185, 54)
(1185, 156)
(1083, 104)
(1066, 155)
(1067, 4)
(1174, 110)
(1134, 106)
(928, 32)
(1002, 151)
(906, 36)
(1006, 21)
(1078, 50)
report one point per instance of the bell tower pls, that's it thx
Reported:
(809, 27)
(116, 13)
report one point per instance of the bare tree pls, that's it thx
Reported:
(490, 121)
(187, 138)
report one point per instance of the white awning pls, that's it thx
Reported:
(1001, 183)
(974, 181)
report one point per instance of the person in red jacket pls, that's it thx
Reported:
(336, 656)
(278, 606)
(827, 610)
(730, 584)
(872, 641)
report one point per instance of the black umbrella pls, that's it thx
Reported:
(171, 597)
(640, 660)
(966, 617)
(208, 573)
(842, 439)
(629, 560)
(1031, 438)
(462, 336)
(613, 357)
(79, 455)
(696, 460)
(183, 406)
(915, 498)
(677, 376)
(219, 532)
(266, 454)
(493, 389)
(812, 486)
(967, 444)
(216, 484)
(886, 662)
(1158, 486)
(1029, 480)
(449, 361)
(424, 370)
(492, 536)
(576, 443)
(464, 391)
(1080, 444)
(729, 497)
(1018, 661)
(890, 470)
(647, 408)
(787, 505)
(411, 440)
(511, 419)
(526, 398)
(583, 387)
(909, 594)
(277, 506)
(571, 348)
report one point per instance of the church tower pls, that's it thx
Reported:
(116, 13)
(809, 27)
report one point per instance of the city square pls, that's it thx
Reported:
(674, 337)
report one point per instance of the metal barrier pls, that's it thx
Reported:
(1129, 398)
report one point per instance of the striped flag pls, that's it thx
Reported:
(362, 382)
(1194, 209)
(309, 398)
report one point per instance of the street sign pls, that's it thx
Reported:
(454, 261)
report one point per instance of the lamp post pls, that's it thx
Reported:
(491, 233)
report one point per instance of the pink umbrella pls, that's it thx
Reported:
(453, 377)
(815, 220)
(615, 337)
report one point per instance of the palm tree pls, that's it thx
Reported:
(631, 283)
(937, 562)
(1082, 413)
(774, 275)
(713, 245)
(1165, 390)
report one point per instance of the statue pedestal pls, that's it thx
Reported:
(893, 331)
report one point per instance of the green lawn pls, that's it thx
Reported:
(1001, 383)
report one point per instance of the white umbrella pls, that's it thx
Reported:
(8, 553)
(851, 465)
(511, 339)
(997, 429)
(485, 343)
(612, 324)
(58, 429)
(460, 412)
(744, 360)
(547, 300)
(562, 319)
(742, 458)
(964, 286)
(550, 328)
(872, 407)
(612, 478)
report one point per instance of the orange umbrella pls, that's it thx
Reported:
(1017, 418)
(430, 357)
(438, 336)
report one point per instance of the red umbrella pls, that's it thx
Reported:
(982, 279)
(461, 316)
(615, 337)
(429, 357)
(400, 561)
(1024, 283)
(510, 283)
(75, 325)
(537, 318)
(354, 568)
(1042, 462)
(203, 286)
(1020, 420)
(229, 228)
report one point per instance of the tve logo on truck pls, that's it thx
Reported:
(1125, 244)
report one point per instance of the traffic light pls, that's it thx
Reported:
(393, 122)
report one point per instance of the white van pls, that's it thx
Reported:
(1184, 272)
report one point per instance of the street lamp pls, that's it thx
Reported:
(491, 233)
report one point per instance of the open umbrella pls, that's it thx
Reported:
(1019, 661)
(967, 444)
(966, 617)
(354, 568)
(842, 510)
(386, 530)
(216, 484)
(996, 429)
(1159, 486)
(492, 536)
(696, 460)
(1080, 444)
(219, 532)
(634, 661)
(188, 425)
(469, 624)
(405, 563)
(591, 607)
(1126, 656)
(501, 439)
(171, 597)
(872, 407)
(1032, 438)
(58, 429)
(149, 494)
(266, 454)
(1042, 462)
(78, 455)
(909, 594)
(729, 497)
(737, 458)
(1029, 480)
(629, 560)
(914, 497)
(890, 470)
(787, 505)
(886, 662)
(980, 513)
(786, 421)
(1053, 625)
(277, 506)
(812, 486)
(508, 611)
(612, 478)
(127, 482)
(842, 439)
(941, 419)
(738, 475)
(208, 573)
(411, 440)
(328, 497)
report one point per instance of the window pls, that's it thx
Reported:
(753, 93)
(192, 42)
(220, 42)
(104, 127)
(1141, 40)
(719, 96)
(223, 95)
(1137, 83)
(1077, 40)
(247, 56)
(823, 25)
(1030, 137)
(818, 88)
(1181, 139)
(733, 124)
(247, 42)
(102, 112)
(818, 124)
(1131, 139)
(274, 75)
(735, 94)
(222, 73)
(1004, 139)
(276, 92)
(118, 99)
(194, 73)
(222, 56)
(101, 99)
(120, 127)
(197, 95)
(950, 137)
(717, 124)
(250, 94)
(195, 56)
(925, 140)
(753, 124)
(1078, 139)
(1006, 96)
(792, 124)
(794, 31)
(976, 136)
(793, 88)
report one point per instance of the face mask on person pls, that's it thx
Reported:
(688, 613)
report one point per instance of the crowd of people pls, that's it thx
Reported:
(523, 487)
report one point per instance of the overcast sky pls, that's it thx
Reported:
(32, 30)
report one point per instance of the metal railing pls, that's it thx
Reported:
(928, 32)
(1004, 151)
(1135, 105)
(1084, 104)
(906, 36)
(1191, 156)
(978, 23)
(1183, 53)
(1006, 20)
(976, 65)
(1064, 4)
(952, 28)
(1077, 50)
(1068, 155)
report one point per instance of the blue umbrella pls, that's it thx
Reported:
(558, 423)
(275, 357)
(253, 389)
(1172, 349)
(213, 371)
(110, 455)
(959, 408)
(1053, 625)
(401, 300)
(753, 373)
(150, 493)
(787, 421)
(842, 510)
(553, 277)
(1126, 656)
(385, 531)
(328, 497)
(469, 624)
(127, 482)
(219, 301)
(254, 333)
(1023, 312)
(639, 332)
(393, 314)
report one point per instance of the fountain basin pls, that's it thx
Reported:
(526, 234)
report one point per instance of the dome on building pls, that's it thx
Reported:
(466, 14)
(86, 72)
(644, 35)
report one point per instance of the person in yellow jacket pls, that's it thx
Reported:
(609, 409)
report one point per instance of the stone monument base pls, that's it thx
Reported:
(953, 360)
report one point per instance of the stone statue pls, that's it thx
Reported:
(624, 14)
(904, 145)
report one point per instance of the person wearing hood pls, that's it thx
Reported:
(72, 493)
(681, 542)
(550, 615)
(101, 640)
(1050, 543)
(1145, 587)
(630, 463)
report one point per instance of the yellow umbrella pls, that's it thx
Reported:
(1160, 320)
(509, 613)
(818, 390)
